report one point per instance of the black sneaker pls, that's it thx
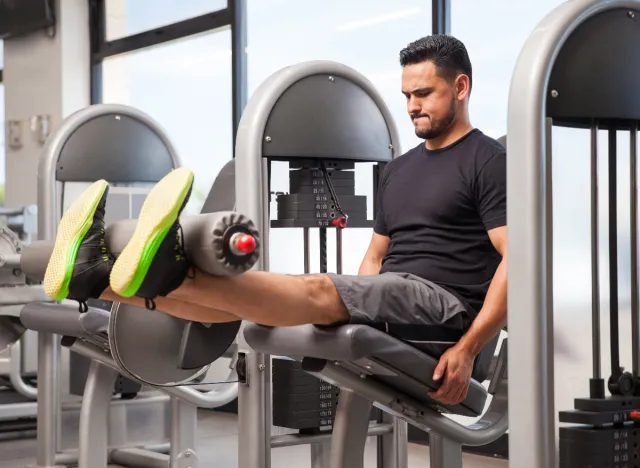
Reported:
(80, 264)
(153, 262)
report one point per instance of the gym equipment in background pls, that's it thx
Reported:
(134, 429)
(548, 89)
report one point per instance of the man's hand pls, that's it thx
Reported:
(456, 365)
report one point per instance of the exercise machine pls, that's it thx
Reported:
(135, 428)
(350, 124)
(576, 70)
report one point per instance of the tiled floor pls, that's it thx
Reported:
(218, 448)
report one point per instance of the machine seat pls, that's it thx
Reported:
(365, 350)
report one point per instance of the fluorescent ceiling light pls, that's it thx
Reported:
(378, 19)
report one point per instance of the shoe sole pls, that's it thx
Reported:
(159, 211)
(74, 225)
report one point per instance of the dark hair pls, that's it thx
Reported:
(447, 53)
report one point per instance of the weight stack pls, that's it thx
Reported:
(300, 400)
(607, 447)
(310, 203)
(606, 436)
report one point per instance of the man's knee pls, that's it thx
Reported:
(322, 293)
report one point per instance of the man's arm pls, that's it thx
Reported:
(372, 261)
(458, 360)
(493, 315)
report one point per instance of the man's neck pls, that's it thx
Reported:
(456, 132)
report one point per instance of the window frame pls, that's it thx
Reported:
(233, 17)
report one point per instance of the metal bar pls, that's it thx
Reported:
(393, 447)
(24, 295)
(71, 457)
(350, 429)
(323, 250)
(213, 399)
(289, 440)
(490, 427)
(239, 66)
(595, 261)
(48, 344)
(614, 328)
(320, 454)
(307, 250)
(444, 453)
(98, 36)
(184, 427)
(440, 16)
(15, 373)
(635, 307)
(339, 251)
(199, 24)
(10, 260)
(138, 458)
(94, 416)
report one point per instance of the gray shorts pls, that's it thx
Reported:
(391, 299)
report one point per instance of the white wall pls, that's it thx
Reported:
(44, 76)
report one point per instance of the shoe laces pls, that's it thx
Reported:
(182, 255)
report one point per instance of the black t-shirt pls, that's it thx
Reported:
(437, 206)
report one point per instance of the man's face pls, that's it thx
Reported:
(431, 100)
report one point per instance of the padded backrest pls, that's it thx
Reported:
(222, 196)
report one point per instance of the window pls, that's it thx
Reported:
(186, 87)
(127, 17)
(367, 39)
(284, 32)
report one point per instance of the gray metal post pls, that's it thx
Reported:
(320, 454)
(444, 453)
(532, 413)
(94, 416)
(48, 344)
(184, 427)
(392, 447)
(350, 429)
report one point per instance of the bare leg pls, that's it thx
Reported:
(265, 298)
(180, 309)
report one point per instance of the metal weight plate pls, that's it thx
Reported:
(146, 344)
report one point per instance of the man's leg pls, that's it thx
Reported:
(184, 310)
(153, 265)
(267, 298)
(260, 297)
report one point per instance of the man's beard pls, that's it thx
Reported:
(440, 126)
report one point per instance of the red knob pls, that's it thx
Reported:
(340, 222)
(634, 415)
(245, 243)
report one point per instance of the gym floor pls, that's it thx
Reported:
(218, 449)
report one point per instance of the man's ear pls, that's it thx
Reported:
(462, 87)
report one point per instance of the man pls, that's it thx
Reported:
(438, 248)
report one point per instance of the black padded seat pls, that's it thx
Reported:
(363, 349)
